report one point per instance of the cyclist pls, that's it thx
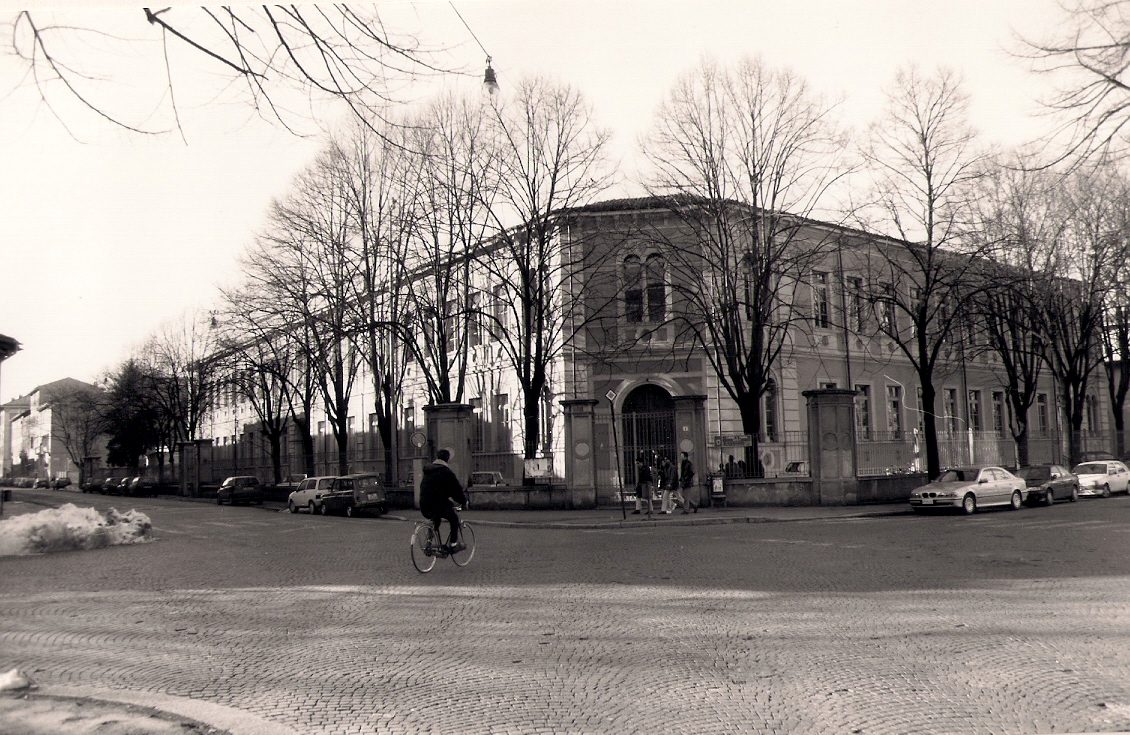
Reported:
(440, 492)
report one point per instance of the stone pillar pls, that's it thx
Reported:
(450, 427)
(580, 462)
(690, 437)
(831, 445)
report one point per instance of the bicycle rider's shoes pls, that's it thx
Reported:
(635, 512)
(457, 546)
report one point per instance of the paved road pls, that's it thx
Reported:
(1005, 622)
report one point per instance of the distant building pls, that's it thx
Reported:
(37, 428)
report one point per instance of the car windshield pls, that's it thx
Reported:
(958, 476)
(1034, 473)
(367, 483)
(1091, 468)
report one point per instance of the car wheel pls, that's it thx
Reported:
(293, 507)
(219, 499)
(1016, 501)
(323, 509)
(1049, 497)
(968, 504)
(1106, 491)
(349, 512)
(1074, 493)
(312, 508)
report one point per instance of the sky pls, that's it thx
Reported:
(105, 235)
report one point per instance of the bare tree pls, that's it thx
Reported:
(1019, 210)
(1086, 55)
(923, 157)
(77, 421)
(178, 362)
(740, 157)
(551, 158)
(1092, 251)
(278, 59)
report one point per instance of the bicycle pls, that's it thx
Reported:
(427, 546)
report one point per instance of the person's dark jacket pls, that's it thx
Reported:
(439, 486)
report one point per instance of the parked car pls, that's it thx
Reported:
(110, 485)
(309, 494)
(1102, 478)
(61, 482)
(1048, 483)
(488, 479)
(240, 489)
(970, 488)
(92, 486)
(141, 487)
(354, 495)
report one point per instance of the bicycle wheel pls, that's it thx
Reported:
(467, 536)
(424, 540)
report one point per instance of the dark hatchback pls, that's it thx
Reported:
(240, 489)
(1048, 483)
(355, 495)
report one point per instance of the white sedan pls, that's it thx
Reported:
(1102, 477)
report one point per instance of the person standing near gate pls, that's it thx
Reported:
(645, 483)
(669, 483)
(686, 482)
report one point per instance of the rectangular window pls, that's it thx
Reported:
(501, 324)
(863, 412)
(951, 411)
(894, 411)
(855, 304)
(633, 305)
(921, 411)
(475, 320)
(656, 290)
(478, 425)
(409, 418)
(820, 300)
(998, 412)
(374, 431)
(1091, 406)
(887, 319)
(975, 410)
(501, 420)
(1042, 413)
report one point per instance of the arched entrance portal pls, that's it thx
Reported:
(648, 418)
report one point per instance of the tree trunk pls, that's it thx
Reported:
(930, 428)
(531, 423)
(1021, 438)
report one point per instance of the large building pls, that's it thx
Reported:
(42, 430)
(637, 369)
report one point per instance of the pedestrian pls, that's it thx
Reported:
(645, 482)
(669, 484)
(686, 482)
(730, 468)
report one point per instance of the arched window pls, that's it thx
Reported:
(633, 289)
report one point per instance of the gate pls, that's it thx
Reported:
(648, 425)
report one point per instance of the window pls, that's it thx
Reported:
(474, 320)
(820, 300)
(769, 411)
(975, 410)
(887, 320)
(374, 430)
(1042, 413)
(409, 418)
(951, 411)
(894, 410)
(501, 419)
(351, 429)
(921, 411)
(863, 411)
(998, 412)
(1091, 410)
(478, 425)
(656, 289)
(855, 320)
(501, 323)
(633, 290)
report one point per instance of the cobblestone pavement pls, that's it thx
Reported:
(999, 623)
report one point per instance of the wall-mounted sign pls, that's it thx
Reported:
(732, 440)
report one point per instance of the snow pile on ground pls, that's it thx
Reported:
(70, 528)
